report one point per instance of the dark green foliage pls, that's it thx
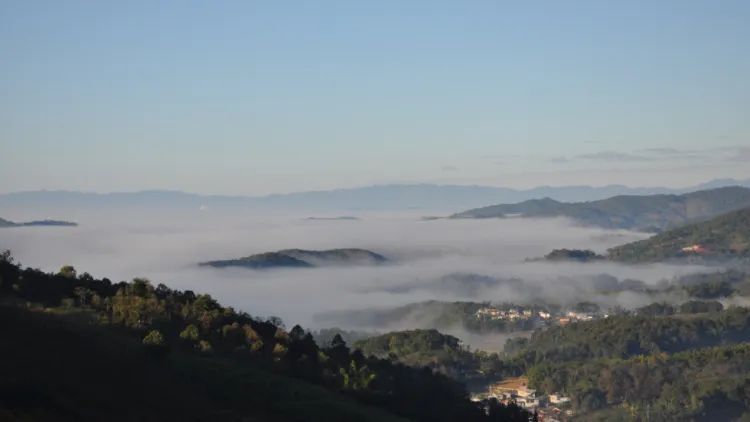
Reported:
(190, 333)
(300, 258)
(324, 336)
(699, 307)
(67, 271)
(725, 236)
(703, 384)
(684, 366)
(715, 285)
(586, 307)
(710, 290)
(573, 255)
(259, 261)
(440, 352)
(154, 338)
(65, 368)
(656, 309)
(626, 336)
(215, 348)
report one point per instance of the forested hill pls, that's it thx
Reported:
(77, 348)
(8, 223)
(302, 258)
(646, 213)
(726, 236)
(687, 366)
(440, 352)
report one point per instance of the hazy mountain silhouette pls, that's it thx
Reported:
(450, 198)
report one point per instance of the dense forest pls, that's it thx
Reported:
(72, 337)
(689, 363)
(440, 352)
(625, 336)
(723, 237)
(710, 384)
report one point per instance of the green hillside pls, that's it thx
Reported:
(77, 348)
(440, 352)
(67, 369)
(647, 213)
(726, 236)
(682, 367)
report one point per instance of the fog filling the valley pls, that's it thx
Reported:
(427, 257)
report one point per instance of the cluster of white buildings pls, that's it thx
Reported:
(572, 316)
(549, 408)
(510, 314)
(520, 314)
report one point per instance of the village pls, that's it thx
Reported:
(549, 408)
(542, 317)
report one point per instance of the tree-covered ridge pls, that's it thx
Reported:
(434, 314)
(635, 212)
(440, 352)
(672, 363)
(579, 255)
(627, 335)
(58, 366)
(711, 384)
(8, 223)
(172, 325)
(726, 236)
(302, 258)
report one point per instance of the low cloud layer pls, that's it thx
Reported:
(478, 260)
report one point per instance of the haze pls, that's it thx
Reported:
(166, 249)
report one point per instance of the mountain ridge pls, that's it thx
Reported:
(374, 197)
(633, 212)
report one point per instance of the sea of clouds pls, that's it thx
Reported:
(166, 247)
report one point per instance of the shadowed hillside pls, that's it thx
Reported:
(301, 258)
(646, 213)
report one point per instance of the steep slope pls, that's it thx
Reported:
(66, 369)
(648, 213)
(725, 236)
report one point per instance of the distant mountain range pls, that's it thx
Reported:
(301, 258)
(725, 236)
(449, 198)
(645, 213)
(7, 223)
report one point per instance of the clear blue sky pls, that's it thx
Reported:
(255, 97)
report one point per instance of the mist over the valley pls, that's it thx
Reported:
(444, 260)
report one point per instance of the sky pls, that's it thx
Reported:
(253, 97)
